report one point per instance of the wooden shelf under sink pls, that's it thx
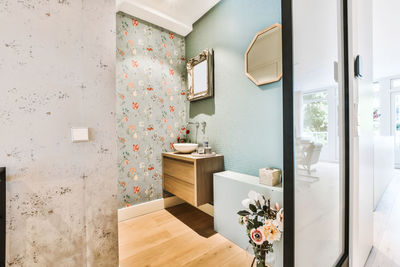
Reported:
(190, 178)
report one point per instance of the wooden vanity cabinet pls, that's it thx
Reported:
(190, 178)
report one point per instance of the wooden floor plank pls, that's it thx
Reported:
(178, 236)
(386, 250)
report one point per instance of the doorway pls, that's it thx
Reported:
(316, 131)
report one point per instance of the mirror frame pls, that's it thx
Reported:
(206, 55)
(258, 83)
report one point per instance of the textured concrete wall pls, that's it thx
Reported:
(57, 71)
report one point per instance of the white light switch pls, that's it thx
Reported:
(80, 135)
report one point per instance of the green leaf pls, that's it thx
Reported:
(252, 208)
(243, 213)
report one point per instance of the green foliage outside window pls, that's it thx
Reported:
(315, 110)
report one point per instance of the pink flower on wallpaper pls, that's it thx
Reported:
(182, 58)
(135, 63)
(136, 189)
(171, 108)
(149, 88)
(149, 49)
(183, 93)
(132, 127)
(125, 76)
(171, 36)
(131, 84)
(165, 46)
(131, 42)
(121, 96)
(126, 119)
(132, 170)
(150, 168)
(171, 145)
(122, 53)
(135, 148)
(126, 33)
(171, 72)
(122, 140)
(150, 128)
(135, 22)
(135, 105)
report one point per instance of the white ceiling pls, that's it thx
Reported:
(174, 15)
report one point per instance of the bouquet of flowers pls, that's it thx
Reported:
(264, 225)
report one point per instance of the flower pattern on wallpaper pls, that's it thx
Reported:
(151, 105)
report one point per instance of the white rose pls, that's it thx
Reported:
(246, 203)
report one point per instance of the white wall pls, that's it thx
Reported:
(386, 38)
(57, 71)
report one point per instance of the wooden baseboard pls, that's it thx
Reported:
(148, 207)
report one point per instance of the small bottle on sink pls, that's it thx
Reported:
(205, 141)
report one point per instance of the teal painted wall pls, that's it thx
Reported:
(244, 121)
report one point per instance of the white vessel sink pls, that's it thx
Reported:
(185, 147)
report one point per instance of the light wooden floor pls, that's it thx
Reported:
(386, 250)
(178, 236)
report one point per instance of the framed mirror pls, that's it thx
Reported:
(201, 76)
(263, 58)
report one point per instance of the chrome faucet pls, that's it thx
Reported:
(203, 125)
(193, 123)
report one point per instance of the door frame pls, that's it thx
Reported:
(393, 94)
(288, 133)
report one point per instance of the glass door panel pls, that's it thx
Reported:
(319, 139)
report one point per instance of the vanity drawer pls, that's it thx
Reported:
(179, 169)
(179, 188)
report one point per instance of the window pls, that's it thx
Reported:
(315, 116)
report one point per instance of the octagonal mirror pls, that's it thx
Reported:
(263, 58)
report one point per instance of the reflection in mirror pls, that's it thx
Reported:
(200, 81)
(263, 58)
(201, 76)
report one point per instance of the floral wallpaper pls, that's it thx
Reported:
(151, 105)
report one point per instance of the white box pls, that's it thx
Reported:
(270, 176)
